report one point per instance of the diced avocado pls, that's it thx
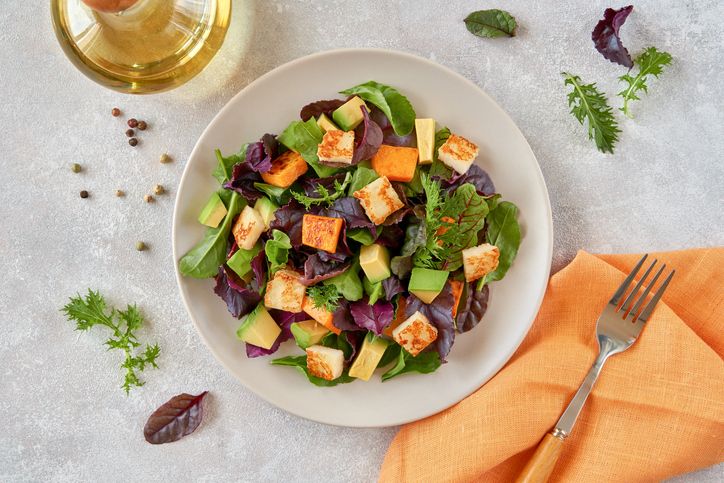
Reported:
(349, 115)
(326, 123)
(373, 348)
(266, 209)
(258, 328)
(426, 283)
(240, 262)
(214, 211)
(308, 332)
(375, 261)
(425, 130)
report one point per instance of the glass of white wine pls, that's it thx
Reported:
(141, 46)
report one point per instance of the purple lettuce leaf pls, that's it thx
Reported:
(439, 313)
(242, 181)
(350, 210)
(475, 175)
(239, 299)
(397, 216)
(310, 185)
(392, 286)
(368, 138)
(289, 220)
(258, 267)
(284, 320)
(316, 270)
(388, 133)
(372, 317)
(473, 307)
(605, 36)
(342, 318)
(392, 237)
(316, 109)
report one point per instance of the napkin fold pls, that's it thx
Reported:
(656, 411)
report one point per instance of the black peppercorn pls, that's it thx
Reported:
(84, 194)
(133, 141)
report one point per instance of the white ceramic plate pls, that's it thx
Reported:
(268, 105)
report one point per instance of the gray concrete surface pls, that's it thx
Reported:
(64, 416)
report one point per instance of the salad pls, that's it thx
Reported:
(363, 233)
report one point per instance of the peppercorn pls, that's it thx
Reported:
(165, 158)
(132, 122)
(147, 198)
(133, 141)
(115, 112)
(75, 167)
(140, 246)
(84, 194)
(158, 189)
(130, 133)
(120, 193)
(142, 125)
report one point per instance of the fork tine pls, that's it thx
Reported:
(629, 300)
(646, 313)
(642, 299)
(625, 284)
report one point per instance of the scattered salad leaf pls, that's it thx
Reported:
(176, 418)
(243, 181)
(258, 268)
(424, 363)
(415, 238)
(476, 176)
(239, 299)
(373, 290)
(316, 109)
(277, 250)
(391, 354)
(491, 23)
(351, 211)
(92, 311)
(343, 319)
(372, 317)
(588, 103)
(504, 233)
(361, 235)
(279, 195)
(321, 192)
(389, 136)
(368, 138)
(465, 213)
(259, 155)
(324, 296)
(472, 307)
(361, 177)
(344, 342)
(203, 260)
(225, 165)
(391, 237)
(650, 62)
(300, 362)
(439, 313)
(395, 106)
(605, 36)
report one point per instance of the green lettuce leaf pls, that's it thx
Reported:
(395, 106)
(304, 138)
(300, 362)
(504, 233)
(277, 250)
(424, 363)
(225, 165)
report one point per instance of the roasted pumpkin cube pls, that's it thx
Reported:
(320, 314)
(457, 291)
(321, 232)
(285, 170)
(396, 162)
(399, 317)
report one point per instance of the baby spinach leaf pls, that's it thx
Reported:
(304, 138)
(491, 23)
(300, 362)
(348, 283)
(277, 250)
(361, 235)
(395, 106)
(360, 178)
(279, 195)
(424, 363)
(504, 233)
(225, 165)
(203, 260)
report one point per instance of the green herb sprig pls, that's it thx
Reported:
(324, 194)
(92, 311)
(324, 296)
(649, 62)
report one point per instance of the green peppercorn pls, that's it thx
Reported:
(140, 246)
(147, 198)
(142, 125)
(130, 133)
(120, 193)
(75, 167)
(165, 158)
(158, 189)
(115, 112)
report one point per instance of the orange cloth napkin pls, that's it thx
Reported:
(657, 409)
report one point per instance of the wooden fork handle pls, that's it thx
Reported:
(540, 466)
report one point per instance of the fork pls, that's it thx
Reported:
(617, 329)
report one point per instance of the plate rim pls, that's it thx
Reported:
(353, 51)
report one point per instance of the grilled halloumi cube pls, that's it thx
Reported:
(458, 153)
(285, 291)
(379, 199)
(480, 260)
(248, 228)
(336, 147)
(415, 333)
(325, 362)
